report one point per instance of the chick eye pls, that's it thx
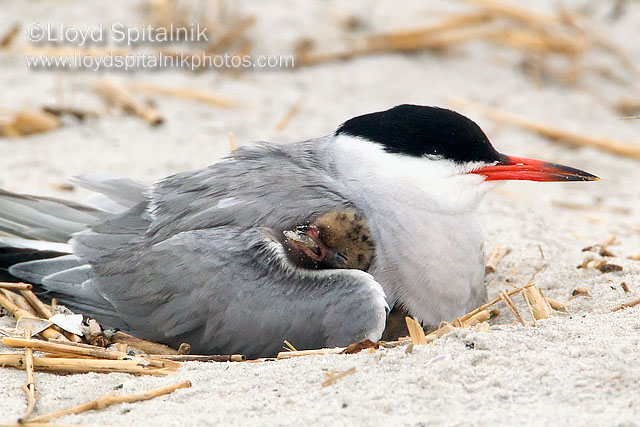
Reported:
(341, 258)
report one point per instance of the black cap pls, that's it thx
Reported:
(418, 130)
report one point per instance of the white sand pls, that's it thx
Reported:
(578, 368)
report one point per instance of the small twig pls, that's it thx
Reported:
(109, 399)
(232, 33)
(598, 208)
(516, 12)
(232, 142)
(185, 93)
(535, 273)
(289, 346)
(30, 387)
(289, 116)
(448, 32)
(200, 358)
(526, 300)
(320, 351)
(61, 111)
(626, 305)
(507, 300)
(335, 377)
(490, 303)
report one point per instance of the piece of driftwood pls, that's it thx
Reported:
(357, 347)
(416, 332)
(120, 96)
(84, 350)
(111, 399)
(17, 312)
(16, 286)
(625, 287)
(626, 305)
(444, 329)
(83, 365)
(29, 122)
(556, 305)
(580, 291)
(147, 347)
(41, 308)
(19, 301)
(554, 133)
(494, 259)
(45, 311)
(539, 305)
(479, 317)
(9, 36)
(200, 357)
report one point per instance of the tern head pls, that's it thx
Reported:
(448, 150)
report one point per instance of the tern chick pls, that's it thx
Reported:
(336, 239)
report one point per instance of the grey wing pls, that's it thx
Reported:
(232, 291)
(274, 186)
(188, 262)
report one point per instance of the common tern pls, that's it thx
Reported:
(200, 257)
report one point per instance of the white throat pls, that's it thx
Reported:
(423, 217)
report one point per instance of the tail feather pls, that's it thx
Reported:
(45, 218)
(36, 271)
(35, 235)
(124, 192)
(10, 256)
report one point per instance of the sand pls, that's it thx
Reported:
(577, 368)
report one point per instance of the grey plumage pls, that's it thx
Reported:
(196, 259)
